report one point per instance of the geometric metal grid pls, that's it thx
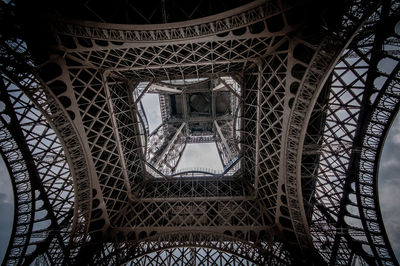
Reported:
(308, 162)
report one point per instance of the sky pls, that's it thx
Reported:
(203, 155)
(389, 185)
(151, 107)
(6, 208)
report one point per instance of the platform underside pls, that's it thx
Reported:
(286, 90)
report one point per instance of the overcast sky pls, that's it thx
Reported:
(203, 155)
(6, 208)
(389, 185)
(151, 106)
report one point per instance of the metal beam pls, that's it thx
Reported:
(258, 126)
(219, 87)
(186, 111)
(170, 144)
(160, 88)
(143, 92)
(225, 144)
(117, 137)
(230, 88)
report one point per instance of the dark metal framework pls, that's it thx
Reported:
(315, 106)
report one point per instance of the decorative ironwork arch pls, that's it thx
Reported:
(307, 86)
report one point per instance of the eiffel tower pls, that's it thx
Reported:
(291, 92)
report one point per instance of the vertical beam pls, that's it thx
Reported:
(170, 144)
(179, 158)
(186, 115)
(143, 92)
(229, 154)
(353, 170)
(220, 153)
(164, 11)
(117, 136)
(213, 107)
(258, 126)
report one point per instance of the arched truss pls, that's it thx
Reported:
(190, 256)
(227, 248)
(37, 128)
(79, 106)
(363, 101)
(227, 22)
(40, 176)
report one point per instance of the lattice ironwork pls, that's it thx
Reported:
(40, 175)
(347, 213)
(306, 109)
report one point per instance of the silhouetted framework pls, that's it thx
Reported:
(297, 95)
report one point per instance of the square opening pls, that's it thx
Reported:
(190, 125)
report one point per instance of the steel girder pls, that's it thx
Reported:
(282, 72)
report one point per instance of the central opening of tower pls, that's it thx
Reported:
(190, 126)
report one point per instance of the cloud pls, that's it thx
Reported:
(395, 132)
(389, 163)
(396, 139)
(389, 186)
(6, 208)
(6, 221)
(151, 105)
(202, 155)
(6, 192)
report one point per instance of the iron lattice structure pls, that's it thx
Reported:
(301, 148)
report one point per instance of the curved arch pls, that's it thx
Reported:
(60, 122)
(197, 239)
(347, 214)
(384, 110)
(316, 74)
(51, 163)
(191, 255)
(22, 227)
(220, 23)
(37, 222)
(259, 253)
